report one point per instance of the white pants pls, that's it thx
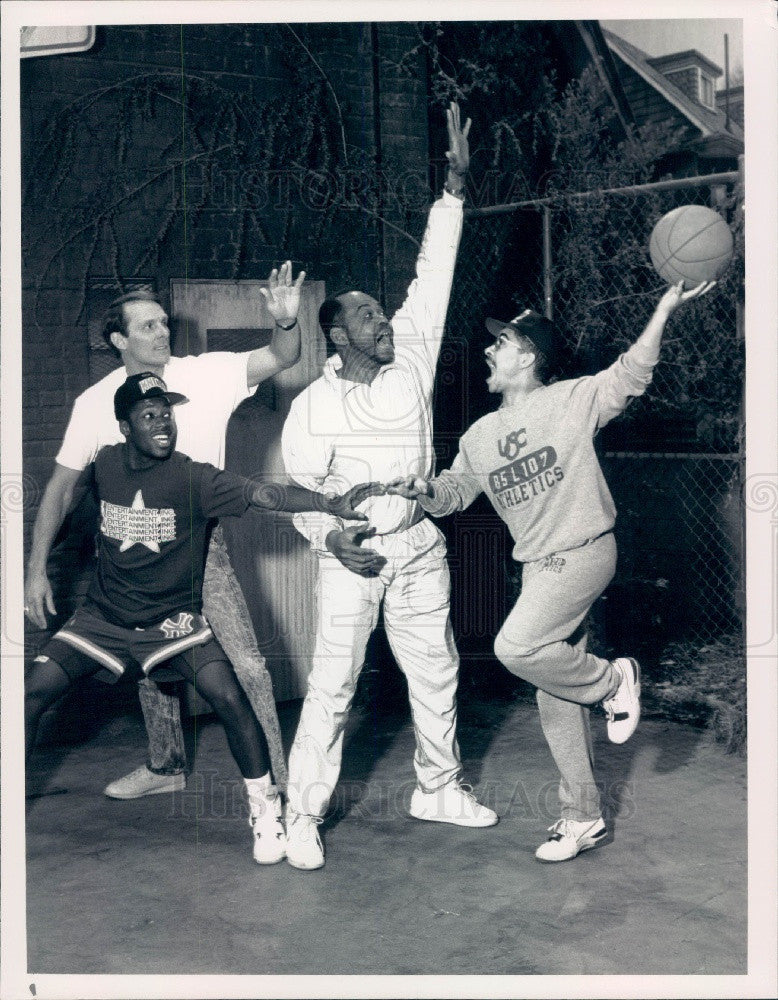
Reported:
(414, 586)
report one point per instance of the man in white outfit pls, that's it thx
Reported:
(369, 417)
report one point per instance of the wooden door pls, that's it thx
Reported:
(271, 559)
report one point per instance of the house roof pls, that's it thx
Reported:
(602, 60)
(709, 122)
(669, 62)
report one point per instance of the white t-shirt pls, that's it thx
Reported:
(215, 384)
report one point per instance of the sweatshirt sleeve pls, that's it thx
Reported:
(608, 393)
(419, 323)
(307, 460)
(454, 489)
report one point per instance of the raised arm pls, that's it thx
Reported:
(458, 153)
(55, 503)
(420, 321)
(282, 297)
(646, 348)
(603, 396)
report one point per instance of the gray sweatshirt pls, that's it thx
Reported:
(536, 461)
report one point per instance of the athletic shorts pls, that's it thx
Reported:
(173, 649)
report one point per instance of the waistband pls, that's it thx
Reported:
(414, 520)
(574, 548)
(589, 541)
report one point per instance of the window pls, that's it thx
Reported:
(706, 91)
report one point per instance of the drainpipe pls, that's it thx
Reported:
(380, 235)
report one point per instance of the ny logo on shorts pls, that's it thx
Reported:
(174, 628)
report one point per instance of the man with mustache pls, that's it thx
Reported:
(369, 416)
(534, 458)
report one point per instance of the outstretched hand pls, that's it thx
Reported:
(346, 546)
(676, 296)
(458, 154)
(344, 506)
(410, 487)
(282, 295)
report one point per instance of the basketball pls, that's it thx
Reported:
(691, 244)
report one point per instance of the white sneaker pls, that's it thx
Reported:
(569, 837)
(623, 709)
(144, 782)
(269, 835)
(453, 803)
(304, 849)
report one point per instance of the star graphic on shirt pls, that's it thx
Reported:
(137, 504)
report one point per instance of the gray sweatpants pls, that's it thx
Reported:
(541, 642)
(228, 615)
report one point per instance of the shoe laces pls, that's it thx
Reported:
(560, 827)
(305, 819)
(467, 791)
(301, 828)
(565, 827)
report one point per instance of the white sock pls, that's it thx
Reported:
(259, 788)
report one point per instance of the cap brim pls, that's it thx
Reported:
(495, 326)
(174, 398)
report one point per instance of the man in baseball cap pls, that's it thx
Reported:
(530, 326)
(144, 385)
(136, 327)
(143, 612)
(534, 458)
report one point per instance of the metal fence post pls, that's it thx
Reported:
(548, 292)
(740, 326)
(676, 456)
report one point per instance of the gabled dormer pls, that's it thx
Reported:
(693, 74)
(678, 91)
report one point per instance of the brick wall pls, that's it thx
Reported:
(208, 234)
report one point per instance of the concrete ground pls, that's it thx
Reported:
(167, 884)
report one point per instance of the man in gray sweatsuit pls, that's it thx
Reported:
(534, 458)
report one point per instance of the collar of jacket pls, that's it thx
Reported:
(333, 365)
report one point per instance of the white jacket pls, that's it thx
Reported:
(341, 433)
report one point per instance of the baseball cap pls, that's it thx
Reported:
(528, 324)
(144, 385)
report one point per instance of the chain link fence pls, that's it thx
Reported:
(674, 459)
